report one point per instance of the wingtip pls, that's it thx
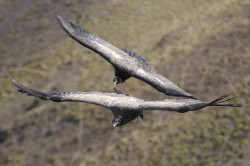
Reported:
(18, 85)
(237, 105)
(14, 82)
(66, 25)
(62, 22)
(219, 101)
(192, 97)
(58, 17)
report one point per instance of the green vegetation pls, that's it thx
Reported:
(203, 46)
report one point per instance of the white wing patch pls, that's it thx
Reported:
(113, 53)
(141, 71)
(159, 80)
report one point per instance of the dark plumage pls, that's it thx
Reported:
(126, 63)
(124, 107)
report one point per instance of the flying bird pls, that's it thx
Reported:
(125, 62)
(124, 107)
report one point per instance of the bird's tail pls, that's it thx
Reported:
(220, 100)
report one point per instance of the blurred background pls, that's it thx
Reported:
(203, 46)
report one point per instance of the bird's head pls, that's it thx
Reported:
(116, 122)
(117, 80)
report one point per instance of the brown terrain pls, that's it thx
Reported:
(203, 46)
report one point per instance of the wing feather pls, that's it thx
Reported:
(142, 62)
(88, 97)
(185, 105)
(124, 102)
(105, 49)
(161, 83)
(108, 100)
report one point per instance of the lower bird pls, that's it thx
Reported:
(124, 107)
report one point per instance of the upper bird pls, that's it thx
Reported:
(124, 107)
(126, 63)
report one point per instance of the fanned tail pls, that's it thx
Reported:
(218, 101)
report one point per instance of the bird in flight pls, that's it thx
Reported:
(124, 107)
(125, 62)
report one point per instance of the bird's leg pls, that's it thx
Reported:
(118, 91)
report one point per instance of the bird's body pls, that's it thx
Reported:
(124, 107)
(125, 62)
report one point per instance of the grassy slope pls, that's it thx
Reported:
(202, 46)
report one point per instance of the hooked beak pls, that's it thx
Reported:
(115, 124)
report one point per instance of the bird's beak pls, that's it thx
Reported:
(114, 125)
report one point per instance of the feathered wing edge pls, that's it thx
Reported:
(30, 92)
(89, 40)
(193, 105)
(44, 96)
(54, 97)
(219, 101)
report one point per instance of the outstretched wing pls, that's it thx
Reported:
(125, 103)
(105, 49)
(97, 98)
(108, 100)
(185, 105)
(162, 84)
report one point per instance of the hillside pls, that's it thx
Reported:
(201, 46)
